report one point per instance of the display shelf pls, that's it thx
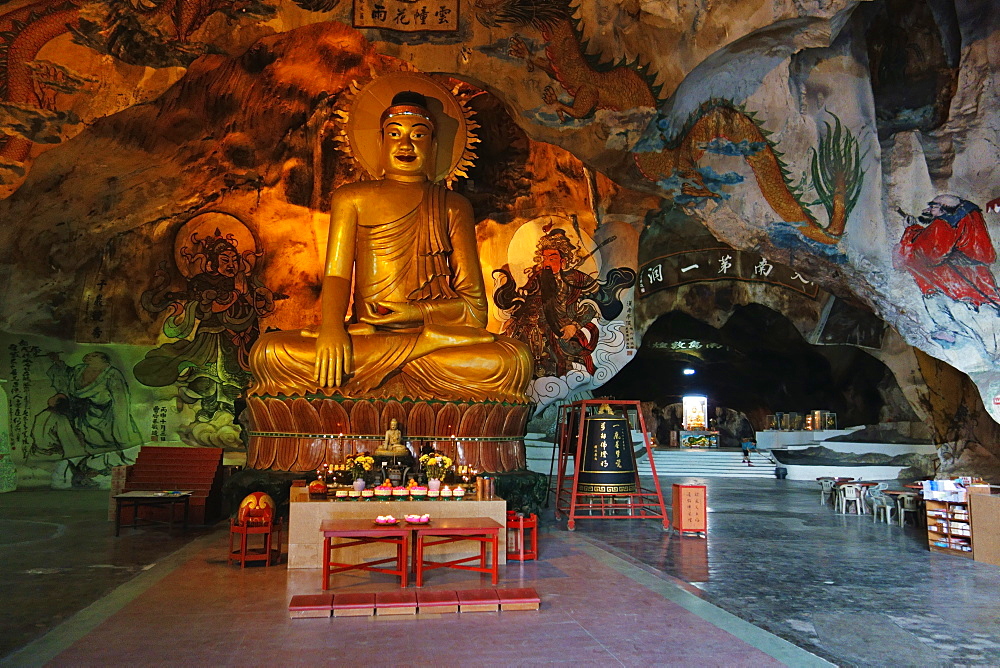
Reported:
(948, 528)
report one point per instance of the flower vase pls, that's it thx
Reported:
(359, 484)
(434, 484)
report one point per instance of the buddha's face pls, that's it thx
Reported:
(407, 146)
(393, 423)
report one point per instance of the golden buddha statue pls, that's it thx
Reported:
(393, 445)
(402, 252)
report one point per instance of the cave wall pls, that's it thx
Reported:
(795, 134)
(204, 230)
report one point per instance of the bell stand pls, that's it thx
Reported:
(644, 503)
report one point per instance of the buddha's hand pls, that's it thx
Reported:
(387, 313)
(334, 356)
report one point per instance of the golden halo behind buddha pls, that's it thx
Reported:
(453, 126)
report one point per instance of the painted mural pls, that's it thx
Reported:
(669, 151)
(72, 422)
(760, 125)
(948, 251)
(565, 306)
(212, 322)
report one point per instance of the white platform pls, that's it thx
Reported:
(891, 449)
(780, 439)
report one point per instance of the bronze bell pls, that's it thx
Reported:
(607, 463)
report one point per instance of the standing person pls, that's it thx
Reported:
(747, 445)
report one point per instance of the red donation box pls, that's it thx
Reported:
(690, 506)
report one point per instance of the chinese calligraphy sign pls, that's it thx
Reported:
(719, 264)
(407, 15)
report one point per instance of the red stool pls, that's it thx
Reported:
(517, 548)
(255, 517)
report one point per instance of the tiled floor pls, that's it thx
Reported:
(775, 563)
(841, 586)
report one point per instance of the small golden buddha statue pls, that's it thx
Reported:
(402, 251)
(393, 445)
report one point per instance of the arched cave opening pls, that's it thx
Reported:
(757, 363)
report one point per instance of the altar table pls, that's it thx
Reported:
(438, 532)
(484, 531)
(365, 532)
(305, 541)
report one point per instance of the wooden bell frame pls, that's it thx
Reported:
(644, 503)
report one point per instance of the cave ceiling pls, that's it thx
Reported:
(807, 138)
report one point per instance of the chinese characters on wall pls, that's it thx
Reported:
(21, 356)
(407, 15)
(92, 325)
(158, 430)
(719, 264)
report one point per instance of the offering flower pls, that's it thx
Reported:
(360, 464)
(436, 464)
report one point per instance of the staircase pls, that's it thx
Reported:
(707, 463)
(672, 463)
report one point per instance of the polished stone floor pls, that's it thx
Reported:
(780, 579)
(841, 586)
(59, 555)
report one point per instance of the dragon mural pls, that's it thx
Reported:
(718, 126)
(23, 33)
(158, 33)
(139, 32)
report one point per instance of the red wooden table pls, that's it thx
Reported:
(364, 532)
(441, 532)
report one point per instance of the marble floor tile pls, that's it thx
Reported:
(779, 579)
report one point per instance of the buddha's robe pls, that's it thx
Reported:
(426, 258)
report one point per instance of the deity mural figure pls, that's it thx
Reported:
(556, 310)
(222, 306)
(393, 445)
(89, 413)
(948, 252)
(402, 253)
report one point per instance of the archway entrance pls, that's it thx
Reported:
(756, 364)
